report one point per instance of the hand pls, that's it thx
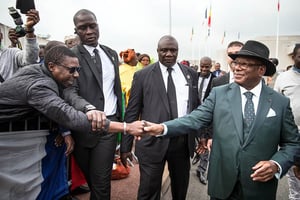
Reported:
(97, 118)
(297, 171)
(58, 141)
(209, 144)
(70, 144)
(124, 157)
(264, 171)
(32, 18)
(202, 147)
(13, 37)
(135, 128)
(153, 129)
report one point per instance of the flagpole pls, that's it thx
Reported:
(192, 35)
(277, 31)
(170, 18)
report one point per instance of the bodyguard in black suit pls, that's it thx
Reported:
(149, 100)
(98, 87)
(205, 80)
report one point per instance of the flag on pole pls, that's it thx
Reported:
(205, 16)
(209, 18)
(209, 21)
(278, 6)
(192, 34)
(224, 35)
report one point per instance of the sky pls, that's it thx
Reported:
(139, 24)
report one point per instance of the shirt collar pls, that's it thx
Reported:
(256, 90)
(164, 68)
(90, 49)
(296, 69)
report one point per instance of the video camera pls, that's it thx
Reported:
(20, 31)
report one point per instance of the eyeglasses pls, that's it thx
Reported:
(70, 69)
(244, 65)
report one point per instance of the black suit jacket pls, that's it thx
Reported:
(88, 89)
(209, 85)
(206, 132)
(148, 101)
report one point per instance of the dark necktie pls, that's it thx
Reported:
(249, 114)
(98, 63)
(171, 93)
(201, 88)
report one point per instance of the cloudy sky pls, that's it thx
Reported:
(139, 24)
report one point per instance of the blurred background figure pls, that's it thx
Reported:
(185, 62)
(288, 84)
(12, 59)
(195, 67)
(127, 69)
(232, 48)
(218, 71)
(71, 40)
(144, 59)
(42, 53)
(271, 79)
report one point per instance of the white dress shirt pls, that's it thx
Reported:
(108, 77)
(181, 87)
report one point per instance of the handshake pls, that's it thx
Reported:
(141, 128)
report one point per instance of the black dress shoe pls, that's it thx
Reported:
(202, 179)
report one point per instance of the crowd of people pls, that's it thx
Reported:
(75, 97)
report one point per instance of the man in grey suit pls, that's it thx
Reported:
(98, 87)
(150, 99)
(245, 161)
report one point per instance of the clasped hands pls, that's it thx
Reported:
(137, 128)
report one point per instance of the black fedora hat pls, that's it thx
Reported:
(257, 50)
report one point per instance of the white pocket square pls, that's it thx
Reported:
(271, 113)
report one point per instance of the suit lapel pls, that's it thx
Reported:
(87, 57)
(264, 106)
(159, 82)
(234, 99)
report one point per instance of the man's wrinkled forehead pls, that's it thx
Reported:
(233, 49)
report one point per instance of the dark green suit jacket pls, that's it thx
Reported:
(232, 158)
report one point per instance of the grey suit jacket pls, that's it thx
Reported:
(221, 80)
(87, 89)
(231, 157)
(148, 101)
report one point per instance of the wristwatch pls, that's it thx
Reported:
(89, 107)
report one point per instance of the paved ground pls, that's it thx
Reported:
(198, 191)
(126, 189)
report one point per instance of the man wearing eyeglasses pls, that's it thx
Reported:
(30, 108)
(255, 137)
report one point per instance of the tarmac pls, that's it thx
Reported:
(126, 189)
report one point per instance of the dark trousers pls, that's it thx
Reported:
(203, 162)
(237, 193)
(96, 165)
(178, 160)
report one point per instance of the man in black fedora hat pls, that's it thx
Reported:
(250, 121)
